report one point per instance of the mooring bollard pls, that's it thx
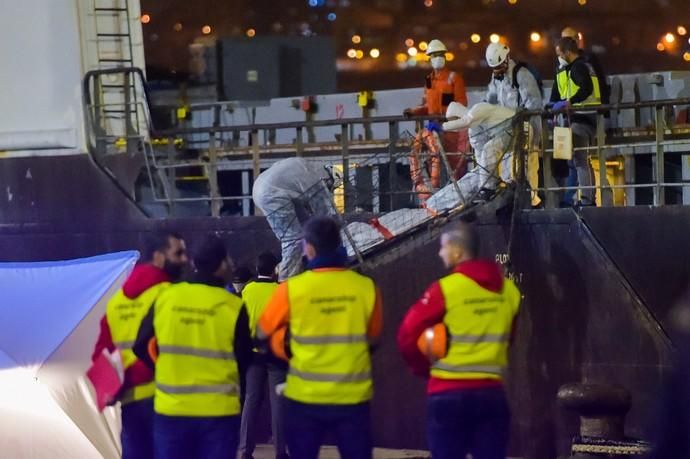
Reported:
(602, 409)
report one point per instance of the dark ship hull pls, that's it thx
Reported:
(597, 285)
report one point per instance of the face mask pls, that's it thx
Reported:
(562, 61)
(438, 62)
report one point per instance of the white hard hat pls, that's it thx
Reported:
(496, 54)
(436, 46)
(456, 109)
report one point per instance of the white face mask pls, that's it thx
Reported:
(438, 62)
(562, 61)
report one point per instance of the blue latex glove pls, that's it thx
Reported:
(433, 126)
(560, 105)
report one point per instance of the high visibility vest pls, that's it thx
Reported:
(329, 317)
(196, 370)
(479, 324)
(567, 87)
(256, 295)
(124, 316)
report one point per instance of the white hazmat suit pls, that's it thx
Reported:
(288, 193)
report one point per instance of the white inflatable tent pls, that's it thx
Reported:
(49, 322)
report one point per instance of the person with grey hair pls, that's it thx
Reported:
(476, 306)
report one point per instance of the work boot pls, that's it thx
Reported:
(484, 195)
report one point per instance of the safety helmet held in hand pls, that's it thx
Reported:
(496, 54)
(436, 46)
(434, 343)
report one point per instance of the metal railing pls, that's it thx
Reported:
(253, 147)
(652, 140)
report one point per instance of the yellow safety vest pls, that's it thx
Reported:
(124, 316)
(567, 87)
(329, 318)
(479, 324)
(256, 295)
(196, 370)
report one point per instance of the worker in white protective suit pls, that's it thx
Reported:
(288, 193)
(514, 85)
(490, 136)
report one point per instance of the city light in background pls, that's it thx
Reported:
(386, 35)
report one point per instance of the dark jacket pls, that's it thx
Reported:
(580, 75)
(242, 343)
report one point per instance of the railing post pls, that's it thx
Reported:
(256, 161)
(99, 117)
(392, 165)
(345, 145)
(659, 193)
(549, 181)
(213, 175)
(130, 132)
(299, 141)
(604, 191)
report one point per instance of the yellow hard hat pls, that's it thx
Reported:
(433, 342)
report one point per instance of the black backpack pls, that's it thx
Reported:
(535, 74)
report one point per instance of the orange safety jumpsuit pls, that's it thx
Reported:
(442, 87)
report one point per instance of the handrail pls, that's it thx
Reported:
(399, 118)
(88, 76)
(293, 125)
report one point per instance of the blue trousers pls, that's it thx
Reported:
(306, 425)
(137, 429)
(473, 421)
(181, 437)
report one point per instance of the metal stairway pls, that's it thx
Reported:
(114, 48)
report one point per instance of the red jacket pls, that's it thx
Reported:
(143, 277)
(430, 310)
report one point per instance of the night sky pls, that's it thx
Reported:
(625, 33)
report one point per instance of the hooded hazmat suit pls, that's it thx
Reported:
(490, 134)
(524, 93)
(288, 193)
